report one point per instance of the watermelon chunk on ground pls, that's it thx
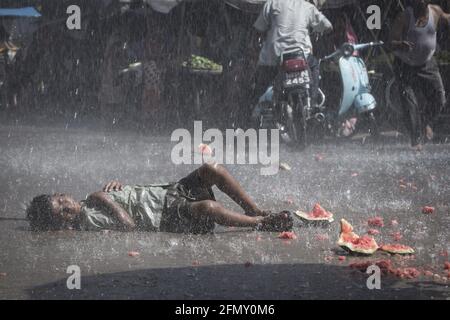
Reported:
(354, 243)
(318, 213)
(376, 222)
(428, 210)
(397, 249)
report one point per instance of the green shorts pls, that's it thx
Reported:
(177, 215)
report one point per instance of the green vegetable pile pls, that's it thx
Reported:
(202, 63)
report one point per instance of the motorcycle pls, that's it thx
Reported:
(287, 104)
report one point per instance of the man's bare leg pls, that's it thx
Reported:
(215, 211)
(215, 174)
(222, 215)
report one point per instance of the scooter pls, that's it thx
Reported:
(355, 87)
(297, 119)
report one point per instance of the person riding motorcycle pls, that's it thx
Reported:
(287, 24)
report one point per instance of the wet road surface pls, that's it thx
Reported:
(355, 181)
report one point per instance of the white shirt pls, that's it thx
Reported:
(288, 23)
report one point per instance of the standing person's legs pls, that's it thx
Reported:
(406, 77)
(315, 78)
(433, 89)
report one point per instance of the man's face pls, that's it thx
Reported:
(65, 208)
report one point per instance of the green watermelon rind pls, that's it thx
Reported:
(405, 252)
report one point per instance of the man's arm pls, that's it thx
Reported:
(441, 14)
(262, 24)
(102, 200)
(319, 23)
(396, 41)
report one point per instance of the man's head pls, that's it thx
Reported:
(419, 4)
(53, 212)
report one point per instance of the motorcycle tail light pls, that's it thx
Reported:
(294, 65)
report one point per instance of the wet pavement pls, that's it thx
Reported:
(354, 180)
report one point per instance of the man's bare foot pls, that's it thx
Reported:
(417, 147)
(282, 221)
(429, 133)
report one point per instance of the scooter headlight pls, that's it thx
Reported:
(347, 49)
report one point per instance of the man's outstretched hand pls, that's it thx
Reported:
(112, 186)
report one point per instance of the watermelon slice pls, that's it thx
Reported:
(353, 243)
(397, 249)
(318, 214)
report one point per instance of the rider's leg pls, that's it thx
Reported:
(315, 78)
(433, 88)
(406, 76)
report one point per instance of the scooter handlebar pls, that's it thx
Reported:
(356, 47)
(362, 46)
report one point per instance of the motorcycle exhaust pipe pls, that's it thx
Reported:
(319, 117)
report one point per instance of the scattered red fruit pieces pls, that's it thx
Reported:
(287, 235)
(397, 236)
(355, 174)
(373, 232)
(195, 263)
(446, 265)
(408, 273)
(428, 210)
(328, 258)
(289, 200)
(133, 254)
(342, 258)
(376, 222)
(394, 223)
(384, 265)
(318, 157)
(428, 273)
(444, 253)
(322, 237)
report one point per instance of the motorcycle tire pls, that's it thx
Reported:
(295, 133)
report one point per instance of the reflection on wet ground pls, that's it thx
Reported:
(355, 181)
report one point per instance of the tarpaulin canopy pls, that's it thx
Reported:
(20, 12)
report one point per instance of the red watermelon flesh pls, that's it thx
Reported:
(316, 214)
(354, 243)
(376, 222)
(319, 212)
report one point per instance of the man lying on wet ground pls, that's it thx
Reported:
(187, 206)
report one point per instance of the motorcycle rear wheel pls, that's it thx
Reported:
(294, 113)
